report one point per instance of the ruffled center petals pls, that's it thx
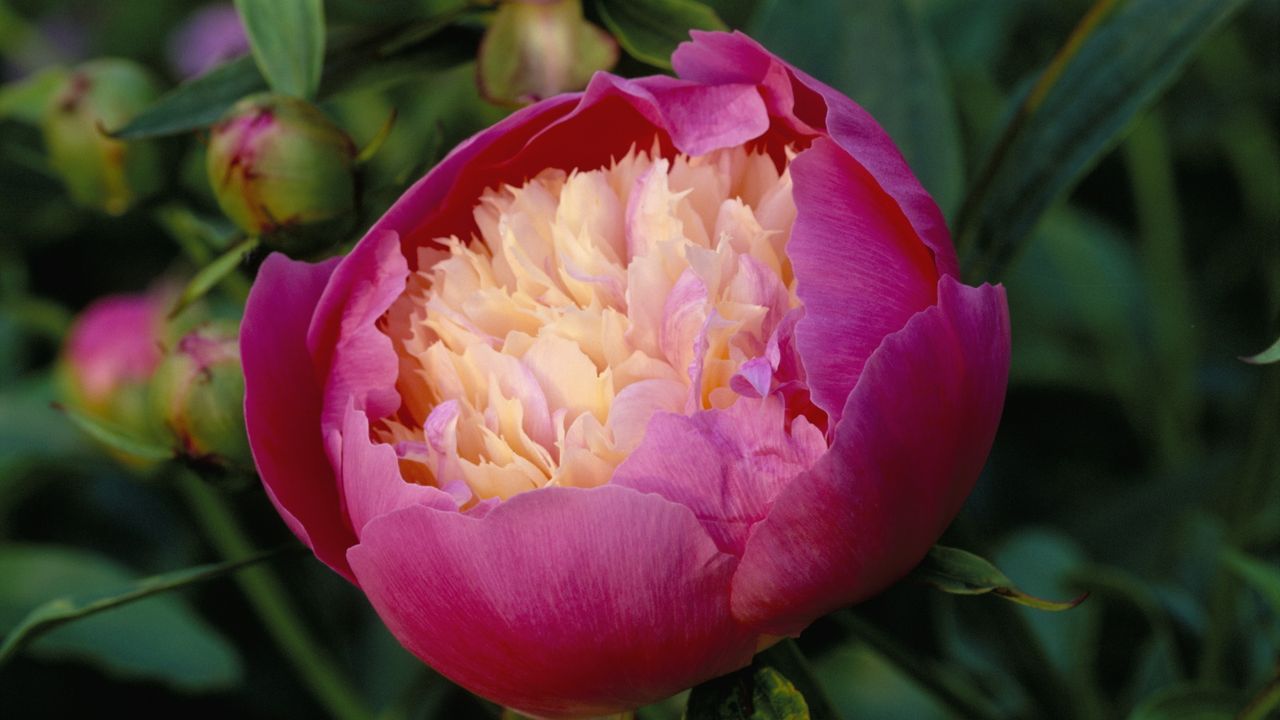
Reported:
(540, 352)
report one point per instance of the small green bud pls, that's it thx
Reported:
(283, 172)
(534, 49)
(198, 392)
(98, 170)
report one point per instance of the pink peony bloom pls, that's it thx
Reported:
(630, 384)
(114, 344)
(211, 36)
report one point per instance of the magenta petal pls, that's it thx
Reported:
(803, 102)
(724, 465)
(913, 438)
(357, 359)
(369, 477)
(282, 406)
(702, 118)
(861, 272)
(560, 601)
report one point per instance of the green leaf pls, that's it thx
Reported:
(212, 274)
(1120, 58)
(881, 54)
(30, 429)
(26, 99)
(160, 638)
(1263, 577)
(650, 30)
(757, 692)
(117, 439)
(1187, 702)
(962, 573)
(353, 62)
(197, 103)
(287, 39)
(1266, 357)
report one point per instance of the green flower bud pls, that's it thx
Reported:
(283, 172)
(198, 392)
(534, 49)
(99, 171)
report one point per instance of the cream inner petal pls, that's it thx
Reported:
(537, 352)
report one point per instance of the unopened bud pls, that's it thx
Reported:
(198, 392)
(107, 363)
(283, 172)
(534, 49)
(98, 170)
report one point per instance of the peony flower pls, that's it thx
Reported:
(631, 384)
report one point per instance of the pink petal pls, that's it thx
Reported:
(914, 436)
(369, 477)
(690, 117)
(357, 359)
(861, 272)
(282, 406)
(558, 602)
(805, 104)
(725, 465)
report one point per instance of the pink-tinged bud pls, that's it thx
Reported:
(210, 36)
(198, 392)
(537, 48)
(108, 360)
(98, 170)
(283, 172)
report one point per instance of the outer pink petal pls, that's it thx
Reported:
(724, 465)
(861, 272)
(914, 436)
(804, 103)
(282, 406)
(559, 602)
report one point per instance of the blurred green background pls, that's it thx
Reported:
(1133, 215)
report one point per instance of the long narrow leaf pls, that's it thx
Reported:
(196, 104)
(1122, 56)
(287, 39)
(61, 611)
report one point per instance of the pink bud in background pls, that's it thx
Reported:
(209, 37)
(631, 384)
(108, 360)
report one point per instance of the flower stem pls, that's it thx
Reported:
(272, 604)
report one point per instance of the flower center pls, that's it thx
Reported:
(537, 353)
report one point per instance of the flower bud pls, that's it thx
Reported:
(198, 393)
(283, 172)
(209, 37)
(107, 362)
(98, 170)
(534, 49)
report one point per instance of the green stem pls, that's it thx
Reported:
(951, 690)
(1151, 179)
(1265, 702)
(273, 606)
